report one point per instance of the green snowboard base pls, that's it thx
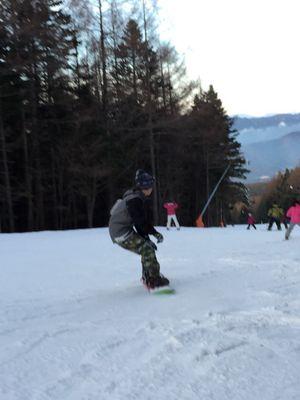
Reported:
(162, 291)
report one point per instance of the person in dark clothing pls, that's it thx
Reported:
(275, 214)
(285, 221)
(130, 226)
(251, 221)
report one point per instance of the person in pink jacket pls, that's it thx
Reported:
(294, 214)
(251, 221)
(171, 211)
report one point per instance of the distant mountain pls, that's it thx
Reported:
(246, 122)
(268, 157)
(252, 130)
(269, 143)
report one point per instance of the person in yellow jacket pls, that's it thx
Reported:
(275, 214)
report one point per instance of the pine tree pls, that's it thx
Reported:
(38, 55)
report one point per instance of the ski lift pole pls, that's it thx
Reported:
(199, 221)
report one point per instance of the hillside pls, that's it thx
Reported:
(266, 158)
(258, 135)
(76, 324)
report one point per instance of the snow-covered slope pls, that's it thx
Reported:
(76, 324)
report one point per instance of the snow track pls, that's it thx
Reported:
(76, 324)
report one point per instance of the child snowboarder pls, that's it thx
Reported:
(250, 221)
(275, 213)
(171, 212)
(294, 214)
(130, 227)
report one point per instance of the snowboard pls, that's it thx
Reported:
(165, 290)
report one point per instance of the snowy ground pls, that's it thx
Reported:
(76, 324)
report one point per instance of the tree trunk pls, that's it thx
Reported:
(207, 188)
(105, 104)
(114, 38)
(163, 85)
(170, 92)
(39, 206)
(60, 198)
(54, 190)
(7, 182)
(103, 59)
(150, 122)
(28, 175)
(91, 201)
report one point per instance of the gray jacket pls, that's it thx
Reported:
(120, 222)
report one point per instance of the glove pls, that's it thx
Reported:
(159, 237)
(151, 244)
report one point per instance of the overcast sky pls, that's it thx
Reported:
(248, 50)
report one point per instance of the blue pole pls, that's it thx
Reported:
(214, 191)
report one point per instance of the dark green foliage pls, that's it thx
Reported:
(78, 116)
(283, 189)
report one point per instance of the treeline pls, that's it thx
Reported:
(282, 189)
(88, 96)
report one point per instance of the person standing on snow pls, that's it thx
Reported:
(275, 214)
(130, 227)
(171, 208)
(285, 220)
(294, 214)
(250, 221)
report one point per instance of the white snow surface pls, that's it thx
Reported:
(76, 323)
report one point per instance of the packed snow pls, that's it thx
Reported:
(76, 323)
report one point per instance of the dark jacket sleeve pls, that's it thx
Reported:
(137, 211)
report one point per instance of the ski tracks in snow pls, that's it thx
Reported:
(231, 332)
(176, 359)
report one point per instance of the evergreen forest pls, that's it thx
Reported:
(89, 93)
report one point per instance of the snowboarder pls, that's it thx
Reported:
(250, 221)
(294, 214)
(171, 208)
(130, 227)
(275, 214)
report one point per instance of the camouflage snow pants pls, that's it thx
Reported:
(137, 244)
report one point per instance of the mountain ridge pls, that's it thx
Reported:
(241, 123)
(271, 156)
(269, 143)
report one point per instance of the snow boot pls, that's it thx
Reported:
(152, 282)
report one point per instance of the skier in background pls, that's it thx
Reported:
(171, 208)
(285, 220)
(275, 214)
(250, 221)
(294, 214)
(130, 226)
